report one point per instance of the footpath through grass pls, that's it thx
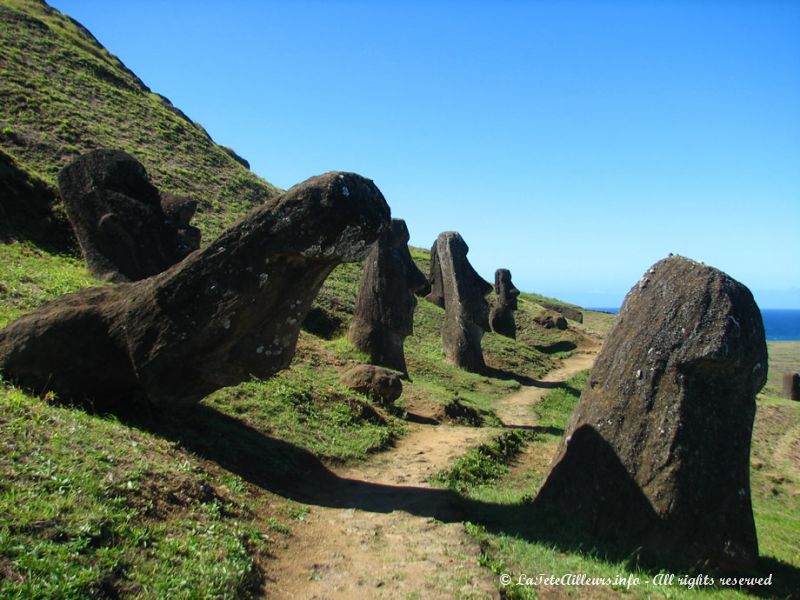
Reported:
(517, 541)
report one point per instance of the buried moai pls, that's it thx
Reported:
(384, 313)
(228, 312)
(457, 288)
(657, 451)
(126, 229)
(502, 317)
(791, 386)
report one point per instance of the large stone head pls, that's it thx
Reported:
(462, 284)
(505, 290)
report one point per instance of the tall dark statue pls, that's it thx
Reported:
(227, 313)
(384, 314)
(791, 386)
(502, 317)
(462, 292)
(658, 448)
(126, 229)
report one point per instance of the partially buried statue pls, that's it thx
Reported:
(457, 288)
(126, 229)
(384, 314)
(657, 451)
(225, 314)
(502, 317)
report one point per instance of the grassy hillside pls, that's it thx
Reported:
(183, 504)
(191, 505)
(63, 94)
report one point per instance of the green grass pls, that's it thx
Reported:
(784, 357)
(91, 507)
(30, 276)
(484, 464)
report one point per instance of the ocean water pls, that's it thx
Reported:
(780, 324)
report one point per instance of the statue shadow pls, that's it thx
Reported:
(294, 473)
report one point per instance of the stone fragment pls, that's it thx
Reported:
(657, 451)
(502, 317)
(384, 313)
(550, 319)
(227, 313)
(379, 383)
(791, 386)
(119, 220)
(462, 293)
(568, 311)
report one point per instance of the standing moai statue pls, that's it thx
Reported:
(462, 292)
(502, 317)
(657, 450)
(791, 386)
(126, 228)
(384, 314)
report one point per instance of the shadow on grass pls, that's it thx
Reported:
(555, 347)
(295, 473)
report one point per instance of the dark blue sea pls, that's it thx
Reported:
(780, 324)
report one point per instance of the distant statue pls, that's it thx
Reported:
(502, 317)
(462, 293)
(384, 314)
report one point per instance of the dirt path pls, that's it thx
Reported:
(384, 532)
(515, 410)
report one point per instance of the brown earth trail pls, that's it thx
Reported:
(384, 532)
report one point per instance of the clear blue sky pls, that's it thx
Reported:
(575, 143)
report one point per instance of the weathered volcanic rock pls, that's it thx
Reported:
(227, 313)
(384, 314)
(550, 319)
(461, 291)
(378, 383)
(791, 386)
(179, 211)
(117, 215)
(502, 317)
(567, 311)
(658, 447)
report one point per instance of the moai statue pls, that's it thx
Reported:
(384, 314)
(502, 317)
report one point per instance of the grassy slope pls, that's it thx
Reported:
(63, 94)
(93, 506)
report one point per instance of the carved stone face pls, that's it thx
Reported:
(469, 288)
(506, 292)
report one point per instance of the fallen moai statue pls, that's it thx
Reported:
(462, 292)
(384, 314)
(657, 451)
(227, 313)
(126, 229)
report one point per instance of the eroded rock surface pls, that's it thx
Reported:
(384, 314)
(124, 232)
(225, 314)
(568, 311)
(378, 383)
(502, 317)
(462, 293)
(791, 386)
(550, 319)
(657, 450)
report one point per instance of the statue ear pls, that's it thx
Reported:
(111, 227)
(109, 224)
